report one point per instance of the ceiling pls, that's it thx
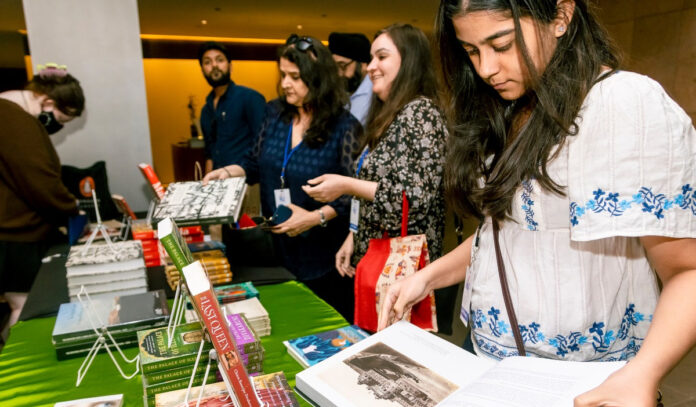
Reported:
(273, 19)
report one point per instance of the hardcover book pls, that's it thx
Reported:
(236, 292)
(174, 374)
(406, 365)
(192, 203)
(229, 360)
(156, 356)
(244, 336)
(100, 258)
(121, 315)
(152, 180)
(312, 349)
(115, 400)
(82, 349)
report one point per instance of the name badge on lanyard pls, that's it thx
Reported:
(282, 195)
(355, 203)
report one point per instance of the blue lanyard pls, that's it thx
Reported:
(287, 156)
(360, 161)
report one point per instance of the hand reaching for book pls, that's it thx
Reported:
(627, 387)
(224, 173)
(402, 295)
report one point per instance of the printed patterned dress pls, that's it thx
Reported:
(408, 157)
(579, 279)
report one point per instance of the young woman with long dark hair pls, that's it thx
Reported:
(307, 132)
(404, 151)
(589, 173)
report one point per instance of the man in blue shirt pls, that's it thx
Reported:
(352, 54)
(232, 116)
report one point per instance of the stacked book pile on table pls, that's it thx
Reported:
(211, 254)
(74, 332)
(253, 311)
(106, 270)
(152, 250)
(167, 368)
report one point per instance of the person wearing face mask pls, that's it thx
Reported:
(33, 199)
(307, 132)
(352, 54)
(232, 115)
(403, 152)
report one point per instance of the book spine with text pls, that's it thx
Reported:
(173, 243)
(152, 179)
(229, 359)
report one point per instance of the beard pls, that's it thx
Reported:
(217, 78)
(354, 81)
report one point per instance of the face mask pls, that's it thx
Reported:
(49, 122)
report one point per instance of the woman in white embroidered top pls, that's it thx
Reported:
(590, 173)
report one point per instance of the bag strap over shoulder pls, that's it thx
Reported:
(506, 292)
(404, 214)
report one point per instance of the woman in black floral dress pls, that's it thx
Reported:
(403, 151)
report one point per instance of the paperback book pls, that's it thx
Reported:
(405, 365)
(312, 349)
(156, 356)
(192, 203)
(122, 317)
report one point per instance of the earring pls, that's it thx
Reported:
(561, 29)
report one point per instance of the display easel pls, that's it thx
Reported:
(103, 335)
(100, 228)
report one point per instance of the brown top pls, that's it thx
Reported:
(33, 199)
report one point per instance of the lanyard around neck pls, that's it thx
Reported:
(288, 153)
(360, 161)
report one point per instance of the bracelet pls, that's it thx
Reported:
(227, 171)
(322, 218)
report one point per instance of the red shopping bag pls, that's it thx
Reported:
(386, 261)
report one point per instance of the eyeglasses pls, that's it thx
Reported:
(301, 43)
(343, 65)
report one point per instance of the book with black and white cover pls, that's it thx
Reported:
(115, 400)
(100, 258)
(192, 203)
(110, 286)
(405, 365)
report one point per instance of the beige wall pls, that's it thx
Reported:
(658, 38)
(170, 82)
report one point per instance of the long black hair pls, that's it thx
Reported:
(485, 139)
(326, 98)
(416, 78)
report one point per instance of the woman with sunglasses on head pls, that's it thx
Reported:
(403, 152)
(33, 199)
(307, 132)
(589, 174)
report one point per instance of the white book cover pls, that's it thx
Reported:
(110, 286)
(111, 294)
(102, 278)
(404, 365)
(100, 258)
(115, 400)
(194, 203)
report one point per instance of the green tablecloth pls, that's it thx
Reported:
(30, 375)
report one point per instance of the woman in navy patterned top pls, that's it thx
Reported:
(306, 133)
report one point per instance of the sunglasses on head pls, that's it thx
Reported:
(301, 43)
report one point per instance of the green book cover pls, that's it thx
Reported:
(177, 373)
(155, 356)
(150, 390)
(175, 245)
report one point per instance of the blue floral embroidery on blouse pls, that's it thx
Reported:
(645, 199)
(597, 336)
(527, 204)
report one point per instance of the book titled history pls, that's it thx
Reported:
(405, 365)
(229, 360)
(272, 389)
(156, 356)
(192, 203)
(312, 349)
(122, 316)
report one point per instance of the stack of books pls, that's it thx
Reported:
(169, 368)
(106, 270)
(312, 349)
(211, 254)
(152, 250)
(272, 389)
(253, 311)
(248, 343)
(74, 334)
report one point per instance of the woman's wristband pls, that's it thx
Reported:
(229, 174)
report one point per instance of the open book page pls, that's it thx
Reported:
(529, 382)
(401, 365)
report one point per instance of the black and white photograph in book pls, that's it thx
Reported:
(392, 379)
